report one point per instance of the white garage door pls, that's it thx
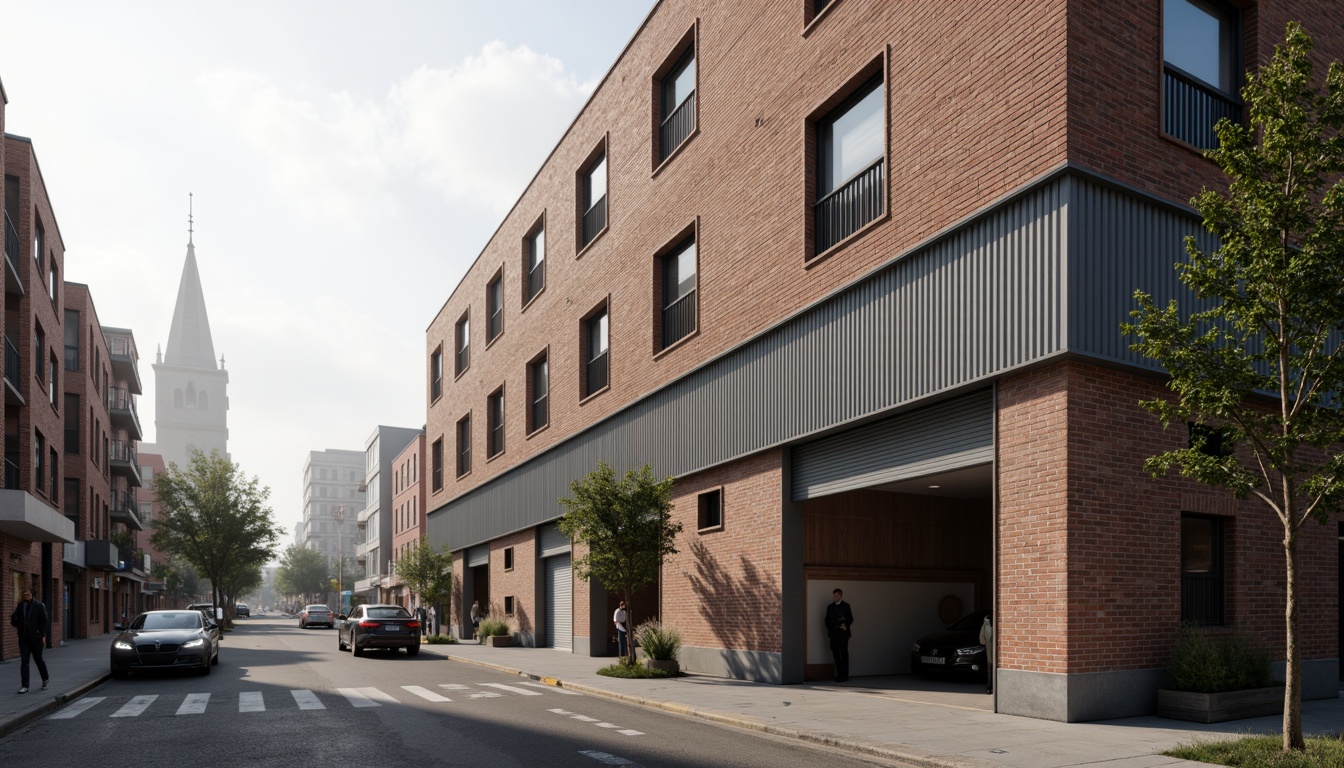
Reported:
(559, 602)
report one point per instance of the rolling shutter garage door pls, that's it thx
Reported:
(559, 602)
(949, 435)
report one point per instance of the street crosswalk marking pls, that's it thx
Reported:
(511, 689)
(356, 697)
(455, 687)
(135, 706)
(586, 719)
(78, 708)
(425, 693)
(605, 758)
(307, 700)
(251, 701)
(553, 689)
(485, 695)
(194, 704)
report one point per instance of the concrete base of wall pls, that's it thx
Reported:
(756, 666)
(1320, 678)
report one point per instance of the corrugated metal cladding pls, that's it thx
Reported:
(553, 542)
(949, 435)
(982, 299)
(559, 603)
(478, 556)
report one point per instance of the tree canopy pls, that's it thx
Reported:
(1261, 363)
(302, 571)
(426, 571)
(627, 527)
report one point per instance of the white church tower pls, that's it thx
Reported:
(191, 402)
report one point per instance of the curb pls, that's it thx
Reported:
(738, 721)
(47, 707)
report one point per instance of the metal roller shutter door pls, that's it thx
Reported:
(559, 603)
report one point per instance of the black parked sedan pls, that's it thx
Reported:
(378, 626)
(956, 649)
(166, 640)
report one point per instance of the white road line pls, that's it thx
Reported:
(194, 704)
(425, 693)
(78, 708)
(307, 700)
(584, 718)
(604, 757)
(630, 732)
(553, 689)
(485, 695)
(135, 706)
(608, 725)
(455, 686)
(511, 689)
(560, 711)
(376, 695)
(357, 697)
(251, 701)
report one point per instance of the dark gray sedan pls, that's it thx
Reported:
(182, 639)
(378, 626)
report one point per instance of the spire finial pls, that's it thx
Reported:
(190, 231)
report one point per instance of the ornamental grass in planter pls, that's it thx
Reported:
(1214, 678)
(660, 644)
(494, 632)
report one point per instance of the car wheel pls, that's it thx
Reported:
(120, 674)
(205, 669)
(340, 642)
(412, 650)
(355, 650)
(215, 659)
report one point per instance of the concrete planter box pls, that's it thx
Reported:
(1220, 707)
(498, 641)
(667, 665)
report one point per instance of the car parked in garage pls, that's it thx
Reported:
(319, 615)
(184, 639)
(378, 626)
(955, 650)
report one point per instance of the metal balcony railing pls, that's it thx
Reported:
(595, 220)
(676, 127)
(494, 325)
(11, 243)
(541, 413)
(844, 211)
(597, 371)
(121, 451)
(119, 346)
(463, 359)
(1191, 109)
(678, 319)
(119, 399)
(11, 470)
(1202, 599)
(13, 362)
(536, 279)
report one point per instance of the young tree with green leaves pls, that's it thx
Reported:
(302, 571)
(1262, 361)
(216, 519)
(628, 529)
(427, 572)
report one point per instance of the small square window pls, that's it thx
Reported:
(1210, 441)
(508, 558)
(709, 510)
(508, 605)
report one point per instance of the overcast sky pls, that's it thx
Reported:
(348, 160)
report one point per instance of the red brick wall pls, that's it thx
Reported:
(723, 588)
(519, 582)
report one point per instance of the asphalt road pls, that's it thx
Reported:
(284, 696)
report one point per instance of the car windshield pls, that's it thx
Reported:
(175, 620)
(388, 613)
(969, 621)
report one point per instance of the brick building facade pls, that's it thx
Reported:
(853, 272)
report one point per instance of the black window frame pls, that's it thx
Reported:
(436, 374)
(1204, 571)
(436, 459)
(1191, 105)
(462, 344)
(534, 261)
(72, 416)
(860, 199)
(463, 453)
(538, 392)
(494, 307)
(494, 424)
(678, 313)
(593, 210)
(676, 123)
(595, 369)
(72, 326)
(709, 510)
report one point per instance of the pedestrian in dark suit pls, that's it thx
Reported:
(31, 620)
(838, 620)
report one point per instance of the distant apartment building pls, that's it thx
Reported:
(408, 514)
(853, 273)
(374, 523)
(332, 501)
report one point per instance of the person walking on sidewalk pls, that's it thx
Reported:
(31, 621)
(838, 619)
(619, 618)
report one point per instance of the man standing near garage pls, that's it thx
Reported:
(838, 619)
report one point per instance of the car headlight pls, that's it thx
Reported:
(971, 651)
(196, 643)
(122, 645)
(914, 648)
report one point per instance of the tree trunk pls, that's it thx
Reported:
(1292, 674)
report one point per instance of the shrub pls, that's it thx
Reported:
(492, 627)
(660, 642)
(638, 671)
(1212, 664)
(441, 640)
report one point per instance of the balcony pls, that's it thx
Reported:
(124, 510)
(13, 373)
(22, 515)
(121, 407)
(101, 555)
(678, 319)
(1191, 109)
(595, 220)
(73, 554)
(13, 280)
(676, 128)
(11, 466)
(121, 457)
(846, 210)
(597, 371)
(536, 279)
(124, 361)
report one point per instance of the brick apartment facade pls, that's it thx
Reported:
(853, 272)
(408, 513)
(70, 427)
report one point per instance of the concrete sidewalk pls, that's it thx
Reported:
(898, 718)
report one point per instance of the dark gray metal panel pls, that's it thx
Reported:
(478, 556)
(952, 434)
(559, 603)
(982, 299)
(553, 542)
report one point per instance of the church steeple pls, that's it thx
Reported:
(189, 341)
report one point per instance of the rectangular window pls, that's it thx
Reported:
(596, 360)
(39, 241)
(678, 105)
(53, 365)
(436, 374)
(146, 512)
(71, 340)
(39, 355)
(1202, 570)
(679, 284)
(1200, 66)
(72, 415)
(436, 457)
(464, 445)
(538, 387)
(536, 263)
(508, 605)
(508, 558)
(462, 339)
(851, 150)
(40, 462)
(709, 512)
(494, 423)
(53, 281)
(594, 199)
(54, 470)
(494, 307)
(71, 505)
(1210, 441)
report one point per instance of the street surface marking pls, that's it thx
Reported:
(376, 695)
(608, 725)
(455, 686)
(307, 700)
(553, 688)
(425, 693)
(630, 732)
(194, 704)
(251, 701)
(585, 718)
(511, 689)
(78, 708)
(604, 757)
(356, 697)
(560, 711)
(485, 695)
(135, 707)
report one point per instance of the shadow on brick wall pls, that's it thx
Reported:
(738, 611)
